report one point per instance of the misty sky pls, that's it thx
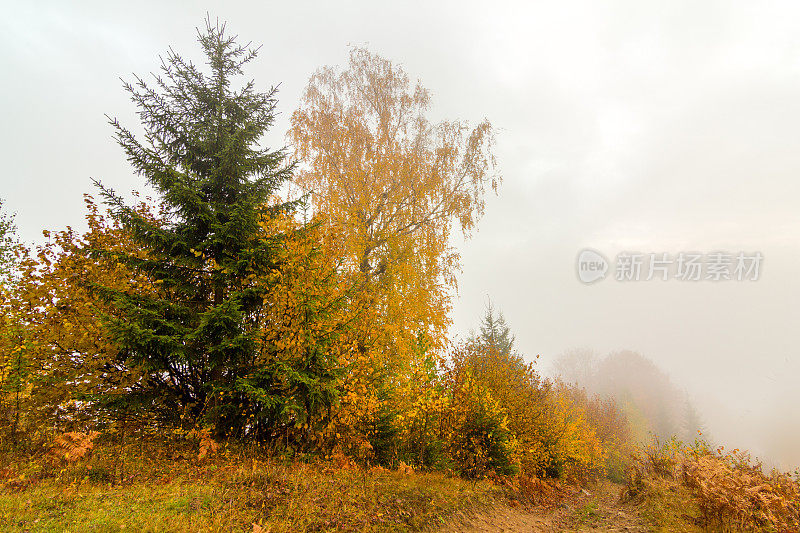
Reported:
(633, 126)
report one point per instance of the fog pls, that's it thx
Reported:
(626, 126)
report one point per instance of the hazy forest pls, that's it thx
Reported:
(264, 344)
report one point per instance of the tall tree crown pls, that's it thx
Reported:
(394, 185)
(202, 150)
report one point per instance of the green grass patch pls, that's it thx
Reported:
(668, 506)
(231, 494)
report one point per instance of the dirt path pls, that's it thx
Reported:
(596, 508)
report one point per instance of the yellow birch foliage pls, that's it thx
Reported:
(576, 451)
(392, 185)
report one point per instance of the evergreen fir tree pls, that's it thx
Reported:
(495, 332)
(196, 340)
(8, 247)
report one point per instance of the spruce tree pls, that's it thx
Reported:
(196, 338)
(8, 247)
(495, 350)
(495, 332)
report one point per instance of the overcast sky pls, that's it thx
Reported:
(623, 126)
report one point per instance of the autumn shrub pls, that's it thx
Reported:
(574, 449)
(734, 491)
(730, 491)
(516, 421)
(65, 341)
(611, 427)
(652, 462)
(422, 404)
(474, 424)
(479, 439)
(73, 446)
(15, 372)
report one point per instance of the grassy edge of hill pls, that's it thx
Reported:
(164, 486)
(231, 491)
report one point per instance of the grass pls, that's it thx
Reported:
(588, 512)
(172, 491)
(50, 507)
(669, 506)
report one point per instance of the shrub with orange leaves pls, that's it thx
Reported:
(573, 448)
(62, 321)
(73, 446)
(730, 490)
(733, 490)
(208, 446)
